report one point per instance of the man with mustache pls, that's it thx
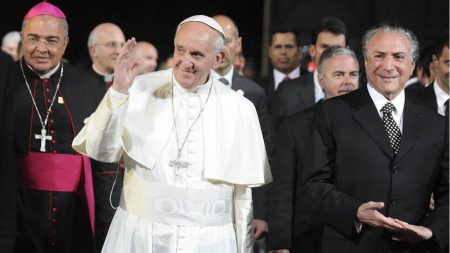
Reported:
(338, 74)
(297, 94)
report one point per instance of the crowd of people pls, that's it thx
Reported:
(196, 157)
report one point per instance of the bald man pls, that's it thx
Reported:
(253, 92)
(147, 57)
(105, 44)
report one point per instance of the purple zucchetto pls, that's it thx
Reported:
(44, 8)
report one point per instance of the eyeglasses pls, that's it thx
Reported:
(112, 44)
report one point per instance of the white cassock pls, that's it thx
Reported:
(205, 207)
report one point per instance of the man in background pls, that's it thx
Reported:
(147, 57)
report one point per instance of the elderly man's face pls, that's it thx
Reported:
(194, 54)
(109, 40)
(44, 42)
(232, 43)
(389, 63)
(147, 57)
(284, 52)
(339, 75)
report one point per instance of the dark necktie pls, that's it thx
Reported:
(224, 81)
(392, 129)
(446, 108)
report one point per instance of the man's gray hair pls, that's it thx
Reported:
(65, 24)
(332, 52)
(391, 28)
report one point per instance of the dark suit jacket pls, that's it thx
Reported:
(255, 94)
(291, 151)
(291, 97)
(426, 94)
(268, 84)
(353, 163)
(8, 175)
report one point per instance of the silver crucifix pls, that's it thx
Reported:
(178, 164)
(43, 137)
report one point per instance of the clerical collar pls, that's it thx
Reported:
(107, 77)
(228, 76)
(46, 75)
(201, 89)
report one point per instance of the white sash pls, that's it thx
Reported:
(174, 205)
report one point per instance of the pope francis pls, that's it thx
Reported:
(192, 148)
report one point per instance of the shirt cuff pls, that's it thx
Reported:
(358, 226)
(116, 98)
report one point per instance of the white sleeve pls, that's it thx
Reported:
(101, 137)
(243, 218)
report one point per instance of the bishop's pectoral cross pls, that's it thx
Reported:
(43, 137)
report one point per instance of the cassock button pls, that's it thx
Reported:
(53, 220)
(54, 209)
(49, 100)
(54, 141)
(52, 131)
(54, 151)
(47, 90)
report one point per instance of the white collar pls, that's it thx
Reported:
(278, 76)
(318, 91)
(441, 95)
(106, 76)
(48, 74)
(228, 76)
(379, 100)
(200, 89)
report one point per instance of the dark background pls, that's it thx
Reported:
(156, 20)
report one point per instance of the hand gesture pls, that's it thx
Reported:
(125, 69)
(412, 233)
(368, 214)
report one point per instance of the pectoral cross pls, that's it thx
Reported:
(43, 137)
(178, 164)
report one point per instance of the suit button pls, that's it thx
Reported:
(395, 170)
(393, 201)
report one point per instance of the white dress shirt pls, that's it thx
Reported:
(441, 97)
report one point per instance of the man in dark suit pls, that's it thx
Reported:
(437, 93)
(338, 74)
(297, 94)
(8, 175)
(378, 155)
(255, 94)
(285, 56)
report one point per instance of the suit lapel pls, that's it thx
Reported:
(367, 116)
(412, 128)
(235, 84)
